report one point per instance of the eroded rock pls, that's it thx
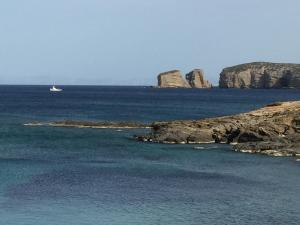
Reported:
(172, 79)
(196, 79)
(261, 75)
(272, 130)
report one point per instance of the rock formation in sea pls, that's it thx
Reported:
(272, 130)
(261, 75)
(196, 79)
(174, 79)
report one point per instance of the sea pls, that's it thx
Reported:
(82, 176)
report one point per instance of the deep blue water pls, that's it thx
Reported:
(67, 176)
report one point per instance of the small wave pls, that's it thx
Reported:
(199, 148)
(34, 124)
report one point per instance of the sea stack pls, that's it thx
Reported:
(172, 79)
(261, 75)
(196, 79)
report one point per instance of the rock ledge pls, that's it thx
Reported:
(272, 130)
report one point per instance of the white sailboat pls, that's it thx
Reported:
(54, 89)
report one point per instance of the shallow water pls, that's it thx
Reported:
(55, 176)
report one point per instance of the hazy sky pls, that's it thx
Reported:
(121, 42)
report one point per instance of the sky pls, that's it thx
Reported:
(129, 42)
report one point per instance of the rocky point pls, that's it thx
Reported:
(272, 130)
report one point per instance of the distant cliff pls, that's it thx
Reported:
(261, 75)
(174, 79)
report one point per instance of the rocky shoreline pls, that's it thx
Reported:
(272, 130)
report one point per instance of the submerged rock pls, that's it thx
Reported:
(91, 124)
(261, 75)
(272, 130)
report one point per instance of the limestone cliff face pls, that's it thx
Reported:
(261, 75)
(172, 79)
(196, 79)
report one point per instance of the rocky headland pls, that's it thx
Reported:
(272, 130)
(174, 79)
(261, 75)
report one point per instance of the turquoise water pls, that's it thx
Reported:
(62, 176)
